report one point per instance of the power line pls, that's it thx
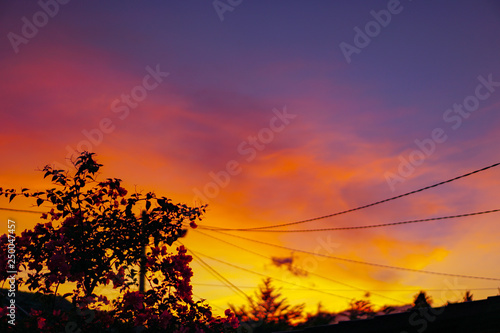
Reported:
(17, 305)
(219, 276)
(308, 272)
(202, 299)
(374, 203)
(364, 262)
(260, 274)
(228, 283)
(379, 290)
(360, 227)
(21, 210)
(237, 246)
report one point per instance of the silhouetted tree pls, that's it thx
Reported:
(360, 309)
(387, 309)
(95, 234)
(269, 312)
(319, 318)
(468, 297)
(421, 300)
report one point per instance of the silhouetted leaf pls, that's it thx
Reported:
(39, 201)
(161, 202)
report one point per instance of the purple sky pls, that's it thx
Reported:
(355, 122)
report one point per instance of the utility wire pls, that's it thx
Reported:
(360, 227)
(237, 246)
(202, 299)
(364, 262)
(381, 290)
(260, 274)
(21, 210)
(230, 284)
(17, 305)
(374, 203)
(301, 269)
(218, 275)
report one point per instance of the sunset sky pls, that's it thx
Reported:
(274, 112)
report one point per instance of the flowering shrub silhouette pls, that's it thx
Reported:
(94, 236)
